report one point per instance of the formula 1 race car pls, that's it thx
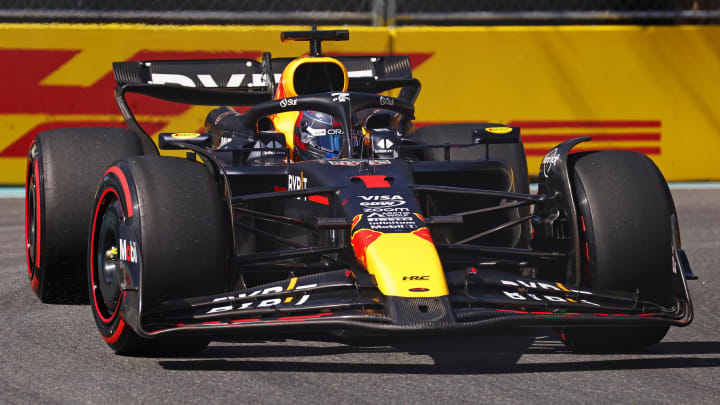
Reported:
(321, 207)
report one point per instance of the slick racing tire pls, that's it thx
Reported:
(511, 154)
(63, 169)
(159, 233)
(624, 214)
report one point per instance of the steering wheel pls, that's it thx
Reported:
(339, 105)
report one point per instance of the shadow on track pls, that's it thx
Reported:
(449, 355)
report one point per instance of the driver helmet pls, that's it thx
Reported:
(317, 136)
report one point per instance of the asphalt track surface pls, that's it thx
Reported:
(53, 353)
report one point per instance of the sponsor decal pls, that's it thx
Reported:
(128, 251)
(223, 115)
(549, 161)
(256, 303)
(296, 182)
(183, 135)
(207, 80)
(416, 278)
(361, 73)
(381, 200)
(385, 145)
(288, 102)
(392, 223)
(235, 80)
(370, 162)
(386, 101)
(538, 285)
(389, 210)
(323, 131)
(498, 130)
(340, 97)
(518, 296)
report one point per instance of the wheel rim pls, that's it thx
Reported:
(30, 235)
(105, 282)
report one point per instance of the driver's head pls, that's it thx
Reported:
(317, 136)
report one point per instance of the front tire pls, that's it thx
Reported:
(624, 212)
(161, 220)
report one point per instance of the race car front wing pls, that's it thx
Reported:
(343, 299)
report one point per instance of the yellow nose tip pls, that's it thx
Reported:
(406, 265)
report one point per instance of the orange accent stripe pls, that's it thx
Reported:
(562, 287)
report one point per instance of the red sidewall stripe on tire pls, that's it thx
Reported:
(92, 260)
(124, 184)
(116, 335)
(27, 222)
(38, 226)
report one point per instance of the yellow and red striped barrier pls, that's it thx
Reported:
(655, 90)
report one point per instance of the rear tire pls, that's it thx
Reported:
(64, 166)
(168, 216)
(624, 214)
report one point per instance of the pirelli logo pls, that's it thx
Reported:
(634, 135)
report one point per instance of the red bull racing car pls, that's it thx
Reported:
(321, 207)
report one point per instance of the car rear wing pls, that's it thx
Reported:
(247, 81)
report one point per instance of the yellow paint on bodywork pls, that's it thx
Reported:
(285, 122)
(395, 258)
(184, 135)
(290, 286)
(498, 130)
